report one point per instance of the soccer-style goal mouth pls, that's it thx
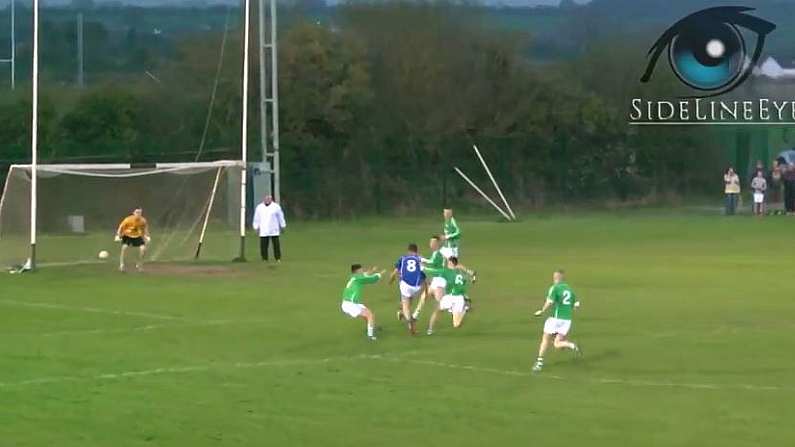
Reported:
(194, 209)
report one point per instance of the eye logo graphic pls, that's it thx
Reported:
(707, 51)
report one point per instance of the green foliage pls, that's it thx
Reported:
(378, 106)
(104, 120)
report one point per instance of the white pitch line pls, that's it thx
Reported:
(190, 369)
(382, 357)
(93, 310)
(603, 381)
(151, 327)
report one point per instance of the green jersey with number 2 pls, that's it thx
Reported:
(563, 298)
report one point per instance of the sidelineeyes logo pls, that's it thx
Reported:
(707, 52)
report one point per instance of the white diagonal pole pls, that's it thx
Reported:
(207, 215)
(499, 191)
(472, 184)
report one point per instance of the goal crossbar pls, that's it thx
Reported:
(138, 170)
(122, 166)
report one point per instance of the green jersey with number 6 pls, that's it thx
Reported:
(563, 298)
(457, 280)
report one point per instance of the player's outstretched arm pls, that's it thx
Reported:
(118, 231)
(373, 271)
(547, 304)
(432, 271)
(392, 276)
(371, 276)
(473, 275)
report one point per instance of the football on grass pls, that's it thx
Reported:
(103, 254)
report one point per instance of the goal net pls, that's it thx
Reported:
(79, 208)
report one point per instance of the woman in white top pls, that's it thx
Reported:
(731, 183)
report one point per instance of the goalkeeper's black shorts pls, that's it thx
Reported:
(133, 241)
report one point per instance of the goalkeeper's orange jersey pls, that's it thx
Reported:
(133, 226)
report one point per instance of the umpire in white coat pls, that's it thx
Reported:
(269, 223)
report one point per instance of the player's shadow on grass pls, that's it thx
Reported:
(591, 359)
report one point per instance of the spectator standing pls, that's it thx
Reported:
(759, 187)
(774, 186)
(731, 183)
(789, 188)
(269, 223)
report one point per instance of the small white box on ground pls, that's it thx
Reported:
(76, 224)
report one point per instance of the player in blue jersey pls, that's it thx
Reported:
(412, 282)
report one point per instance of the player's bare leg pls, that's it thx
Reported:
(121, 257)
(141, 253)
(546, 339)
(369, 316)
(458, 319)
(420, 304)
(561, 342)
(405, 304)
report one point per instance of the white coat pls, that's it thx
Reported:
(269, 219)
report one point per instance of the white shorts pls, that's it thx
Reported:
(557, 326)
(438, 283)
(452, 303)
(448, 252)
(759, 197)
(407, 291)
(355, 310)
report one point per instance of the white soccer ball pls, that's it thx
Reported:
(103, 255)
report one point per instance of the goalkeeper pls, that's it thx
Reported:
(133, 232)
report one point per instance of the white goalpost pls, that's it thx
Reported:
(244, 128)
(192, 209)
(65, 213)
(34, 155)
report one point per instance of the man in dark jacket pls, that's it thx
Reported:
(789, 188)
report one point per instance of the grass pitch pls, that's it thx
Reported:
(686, 323)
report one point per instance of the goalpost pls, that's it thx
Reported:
(191, 208)
(43, 207)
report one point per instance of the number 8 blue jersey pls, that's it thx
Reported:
(409, 268)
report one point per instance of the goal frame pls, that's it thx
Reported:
(78, 169)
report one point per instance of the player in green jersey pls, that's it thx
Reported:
(457, 279)
(452, 235)
(438, 284)
(563, 301)
(352, 296)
